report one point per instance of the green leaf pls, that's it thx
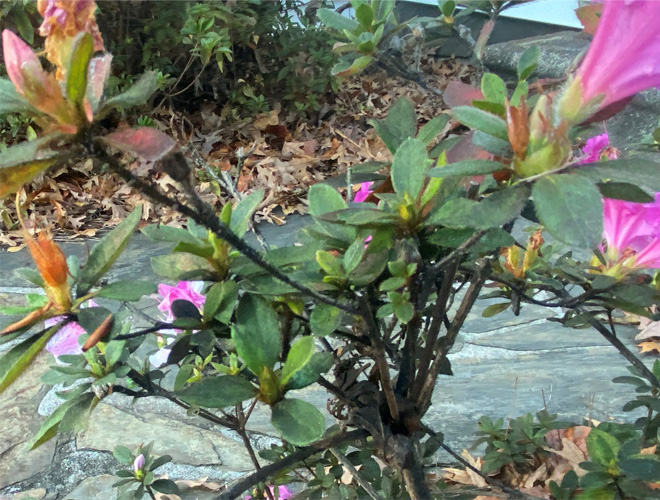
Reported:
(364, 15)
(325, 319)
(299, 355)
(181, 266)
(528, 62)
(624, 191)
(19, 357)
(350, 66)
(49, 428)
(467, 168)
(218, 392)
(493, 88)
(404, 311)
(158, 232)
(137, 95)
(571, 209)
(106, 251)
(76, 75)
(596, 494)
(432, 129)
(128, 290)
(334, 20)
(602, 447)
(638, 171)
(494, 211)
(409, 168)
(113, 351)
(319, 363)
(242, 213)
(495, 309)
(123, 455)
(77, 415)
(165, 486)
(481, 120)
(641, 467)
(220, 301)
(298, 422)
(10, 100)
(256, 334)
(399, 125)
(91, 318)
(323, 199)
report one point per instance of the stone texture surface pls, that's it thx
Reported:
(19, 421)
(186, 444)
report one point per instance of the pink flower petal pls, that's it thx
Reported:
(623, 58)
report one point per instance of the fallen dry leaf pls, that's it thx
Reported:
(649, 346)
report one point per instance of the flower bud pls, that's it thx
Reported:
(138, 464)
(51, 263)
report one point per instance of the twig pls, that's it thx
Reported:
(152, 329)
(345, 462)
(290, 460)
(493, 482)
(209, 220)
(424, 399)
(379, 357)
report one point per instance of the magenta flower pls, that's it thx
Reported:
(363, 193)
(622, 60)
(283, 493)
(598, 148)
(138, 464)
(184, 290)
(65, 341)
(632, 235)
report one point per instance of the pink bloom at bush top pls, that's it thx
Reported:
(624, 57)
(597, 147)
(632, 233)
(184, 290)
(283, 493)
(363, 193)
(65, 341)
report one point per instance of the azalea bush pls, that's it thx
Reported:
(369, 300)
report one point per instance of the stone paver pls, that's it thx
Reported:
(19, 421)
(186, 444)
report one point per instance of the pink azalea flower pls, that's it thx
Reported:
(283, 493)
(596, 148)
(623, 58)
(632, 234)
(363, 193)
(65, 341)
(184, 290)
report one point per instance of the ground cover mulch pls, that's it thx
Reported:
(277, 151)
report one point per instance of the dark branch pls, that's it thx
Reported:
(206, 217)
(289, 461)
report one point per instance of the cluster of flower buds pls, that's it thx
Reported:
(63, 101)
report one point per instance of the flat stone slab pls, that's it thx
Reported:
(186, 444)
(19, 422)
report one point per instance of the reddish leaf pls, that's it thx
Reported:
(458, 93)
(144, 142)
